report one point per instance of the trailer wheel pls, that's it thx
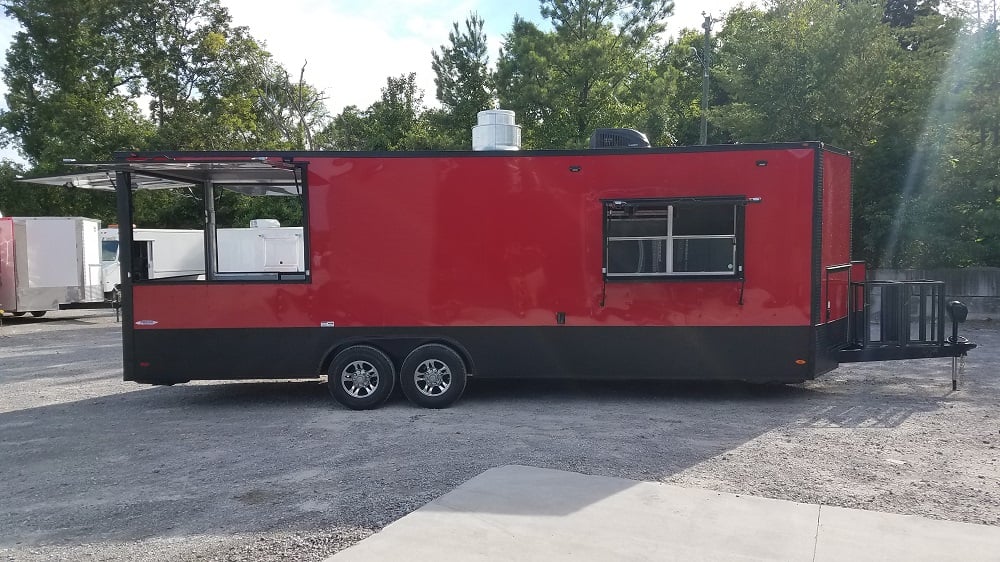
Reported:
(361, 377)
(18, 314)
(433, 376)
(38, 313)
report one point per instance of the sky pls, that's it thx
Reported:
(350, 47)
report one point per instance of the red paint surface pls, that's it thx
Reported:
(506, 241)
(836, 235)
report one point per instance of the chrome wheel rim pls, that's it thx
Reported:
(359, 379)
(432, 377)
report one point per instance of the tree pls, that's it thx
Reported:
(828, 70)
(66, 76)
(594, 69)
(296, 112)
(950, 213)
(895, 174)
(463, 80)
(212, 86)
(77, 73)
(911, 90)
(397, 121)
(805, 70)
(682, 78)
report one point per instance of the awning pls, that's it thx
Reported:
(251, 177)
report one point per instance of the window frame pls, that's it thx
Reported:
(300, 171)
(209, 229)
(738, 204)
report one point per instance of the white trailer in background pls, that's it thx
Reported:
(161, 253)
(157, 253)
(48, 263)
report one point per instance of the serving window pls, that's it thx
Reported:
(238, 220)
(674, 238)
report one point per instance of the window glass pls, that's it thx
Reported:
(637, 256)
(109, 250)
(690, 238)
(638, 226)
(704, 219)
(704, 255)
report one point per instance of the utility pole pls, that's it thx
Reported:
(706, 55)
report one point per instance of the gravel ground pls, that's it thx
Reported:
(95, 468)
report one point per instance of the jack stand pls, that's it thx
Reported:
(957, 369)
(954, 373)
(116, 303)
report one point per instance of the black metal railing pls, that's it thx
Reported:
(897, 313)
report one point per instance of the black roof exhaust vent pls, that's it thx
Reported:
(618, 138)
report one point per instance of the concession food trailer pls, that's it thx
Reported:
(727, 262)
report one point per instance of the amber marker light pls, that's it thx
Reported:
(800, 361)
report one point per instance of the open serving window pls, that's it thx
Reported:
(239, 219)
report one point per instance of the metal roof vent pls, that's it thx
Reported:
(618, 138)
(496, 131)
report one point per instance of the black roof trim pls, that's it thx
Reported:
(285, 154)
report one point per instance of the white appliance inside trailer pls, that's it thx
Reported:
(180, 254)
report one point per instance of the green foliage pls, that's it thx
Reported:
(897, 84)
(805, 70)
(397, 121)
(22, 200)
(464, 82)
(682, 79)
(78, 71)
(826, 70)
(950, 211)
(596, 68)
(65, 75)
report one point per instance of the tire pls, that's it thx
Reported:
(361, 377)
(38, 313)
(433, 376)
(18, 314)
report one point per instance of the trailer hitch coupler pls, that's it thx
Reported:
(958, 312)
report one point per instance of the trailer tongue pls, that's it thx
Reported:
(893, 320)
(700, 263)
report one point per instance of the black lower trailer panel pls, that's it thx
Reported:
(784, 354)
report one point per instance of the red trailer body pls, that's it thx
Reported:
(720, 262)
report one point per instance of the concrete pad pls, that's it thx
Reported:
(855, 534)
(524, 513)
